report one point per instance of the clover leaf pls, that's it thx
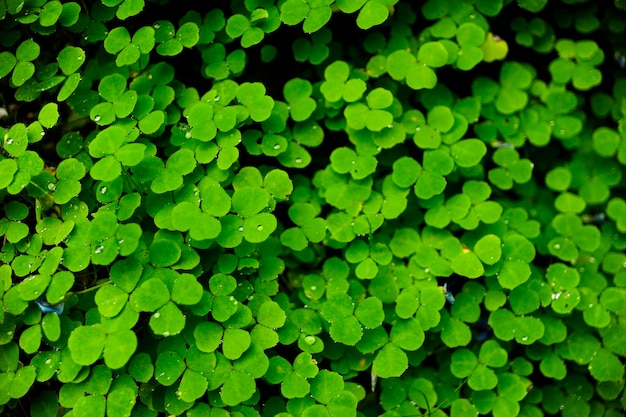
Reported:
(315, 13)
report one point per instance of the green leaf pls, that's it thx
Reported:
(182, 161)
(86, 344)
(188, 34)
(152, 122)
(164, 252)
(120, 345)
(605, 366)
(467, 264)
(258, 227)
(373, 13)
(293, 12)
(129, 8)
(117, 39)
(192, 386)
(455, 333)
(278, 184)
(50, 13)
(8, 167)
(370, 312)
(106, 169)
(22, 72)
(249, 200)
(167, 320)
(433, 54)
(326, 385)
(16, 140)
(169, 367)
(463, 362)
(235, 343)
(462, 407)
(28, 50)
(30, 339)
(238, 387)
(346, 330)
(468, 153)
(534, 6)
(483, 378)
(271, 315)
(110, 300)
(150, 295)
(107, 141)
(606, 141)
(186, 290)
(489, 249)
(170, 47)
(49, 115)
(70, 59)
(390, 361)
(112, 87)
(408, 334)
(7, 63)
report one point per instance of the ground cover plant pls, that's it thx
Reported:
(312, 208)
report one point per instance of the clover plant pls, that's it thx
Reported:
(312, 208)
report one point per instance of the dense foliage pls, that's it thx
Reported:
(312, 208)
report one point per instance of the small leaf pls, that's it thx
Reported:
(167, 320)
(238, 387)
(326, 385)
(373, 13)
(49, 115)
(119, 347)
(391, 361)
(86, 344)
(433, 54)
(70, 59)
(468, 153)
(467, 264)
(271, 315)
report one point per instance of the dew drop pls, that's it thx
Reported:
(557, 246)
(99, 249)
(52, 186)
(166, 334)
(298, 160)
(103, 190)
(241, 228)
(97, 118)
(277, 146)
(156, 315)
(9, 141)
(525, 339)
(259, 228)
